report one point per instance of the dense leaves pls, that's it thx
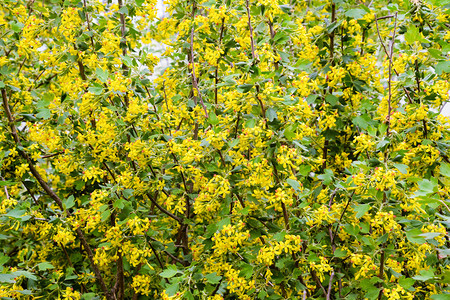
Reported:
(291, 150)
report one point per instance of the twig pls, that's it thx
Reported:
(179, 220)
(216, 72)
(342, 214)
(316, 279)
(252, 42)
(52, 194)
(194, 77)
(88, 24)
(52, 155)
(330, 284)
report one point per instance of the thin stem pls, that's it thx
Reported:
(216, 72)
(52, 194)
(194, 77)
(330, 285)
(88, 24)
(252, 42)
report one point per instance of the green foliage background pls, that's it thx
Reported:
(292, 150)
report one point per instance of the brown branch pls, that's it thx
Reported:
(384, 17)
(216, 72)
(272, 35)
(6, 189)
(316, 279)
(381, 273)
(70, 262)
(342, 215)
(20, 67)
(51, 193)
(193, 76)
(52, 155)
(330, 285)
(333, 19)
(88, 24)
(252, 42)
(162, 209)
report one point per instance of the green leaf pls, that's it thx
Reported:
(119, 203)
(332, 99)
(140, 2)
(427, 187)
(188, 295)
(425, 275)
(356, 13)
(289, 132)
(360, 122)
(440, 297)
(16, 26)
(402, 168)
(123, 10)
(304, 170)
(442, 67)
(212, 118)
(430, 235)
(372, 293)
(172, 289)
(169, 272)
(413, 236)
(7, 278)
(279, 236)
(412, 35)
(271, 114)
(213, 278)
(445, 169)
(2, 84)
(88, 296)
(102, 75)
(340, 253)
(361, 210)
(294, 184)
(96, 90)
(244, 88)
(127, 60)
(69, 202)
(327, 177)
(406, 283)
(45, 266)
(7, 183)
(352, 229)
(246, 270)
(44, 113)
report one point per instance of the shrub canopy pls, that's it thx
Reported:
(291, 150)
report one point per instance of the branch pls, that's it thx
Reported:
(88, 23)
(194, 77)
(216, 72)
(51, 193)
(330, 284)
(168, 213)
(316, 279)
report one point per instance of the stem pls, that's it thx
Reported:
(272, 35)
(216, 72)
(194, 77)
(88, 23)
(252, 42)
(333, 19)
(168, 213)
(330, 284)
(316, 279)
(52, 194)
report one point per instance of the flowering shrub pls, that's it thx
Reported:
(292, 150)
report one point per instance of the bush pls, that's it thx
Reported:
(292, 150)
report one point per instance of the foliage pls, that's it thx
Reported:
(292, 150)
